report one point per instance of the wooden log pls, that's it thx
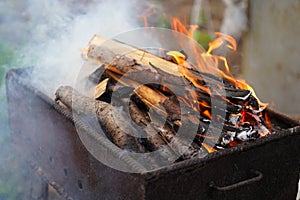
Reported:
(154, 141)
(162, 135)
(137, 66)
(154, 99)
(180, 146)
(104, 115)
(144, 69)
(103, 51)
(151, 68)
(100, 89)
(95, 77)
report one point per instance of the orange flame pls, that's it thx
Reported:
(208, 148)
(218, 42)
(209, 62)
(243, 85)
(179, 58)
(179, 27)
(205, 136)
(207, 114)
(268, 121)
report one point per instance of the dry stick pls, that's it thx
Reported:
(111, 53)
(214, 83)
(185, 151)
(139, 117)
(154, 140)
(146, 76)
(103, 111)
(152, 98)
(147, 95)
(104, 114)
(107, 56)
(101, 88)
(178, 145)
(103, 51)
(155, 100)
(137, 60)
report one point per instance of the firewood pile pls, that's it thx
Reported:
(145, 101)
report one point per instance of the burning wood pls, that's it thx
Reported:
(225, 110)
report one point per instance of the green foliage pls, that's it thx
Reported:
(9, 53)
(202, 38)
(163, 22)
(7, 60)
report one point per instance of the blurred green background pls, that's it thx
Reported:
(13, 35)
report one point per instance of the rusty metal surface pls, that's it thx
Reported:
(44, 132)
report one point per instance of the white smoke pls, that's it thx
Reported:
(48, 35)
(60, 30)
(235, 20)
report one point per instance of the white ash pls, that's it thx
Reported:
(235, 119)
(246, 134)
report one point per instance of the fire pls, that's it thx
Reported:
(243, 85)
(205, 136)
(179, 27)
(250, 116)
(179, 58)
(208, 148)
(205, 64)
(222, 38)
(207, 114)
(268, 121)
(211, 64)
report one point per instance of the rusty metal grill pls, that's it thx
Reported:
(43, 133)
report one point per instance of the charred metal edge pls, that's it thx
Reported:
(177, 166)
(12, 74)
(199, 162)
(283, 116)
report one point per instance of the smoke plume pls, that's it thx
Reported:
(61, 29)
